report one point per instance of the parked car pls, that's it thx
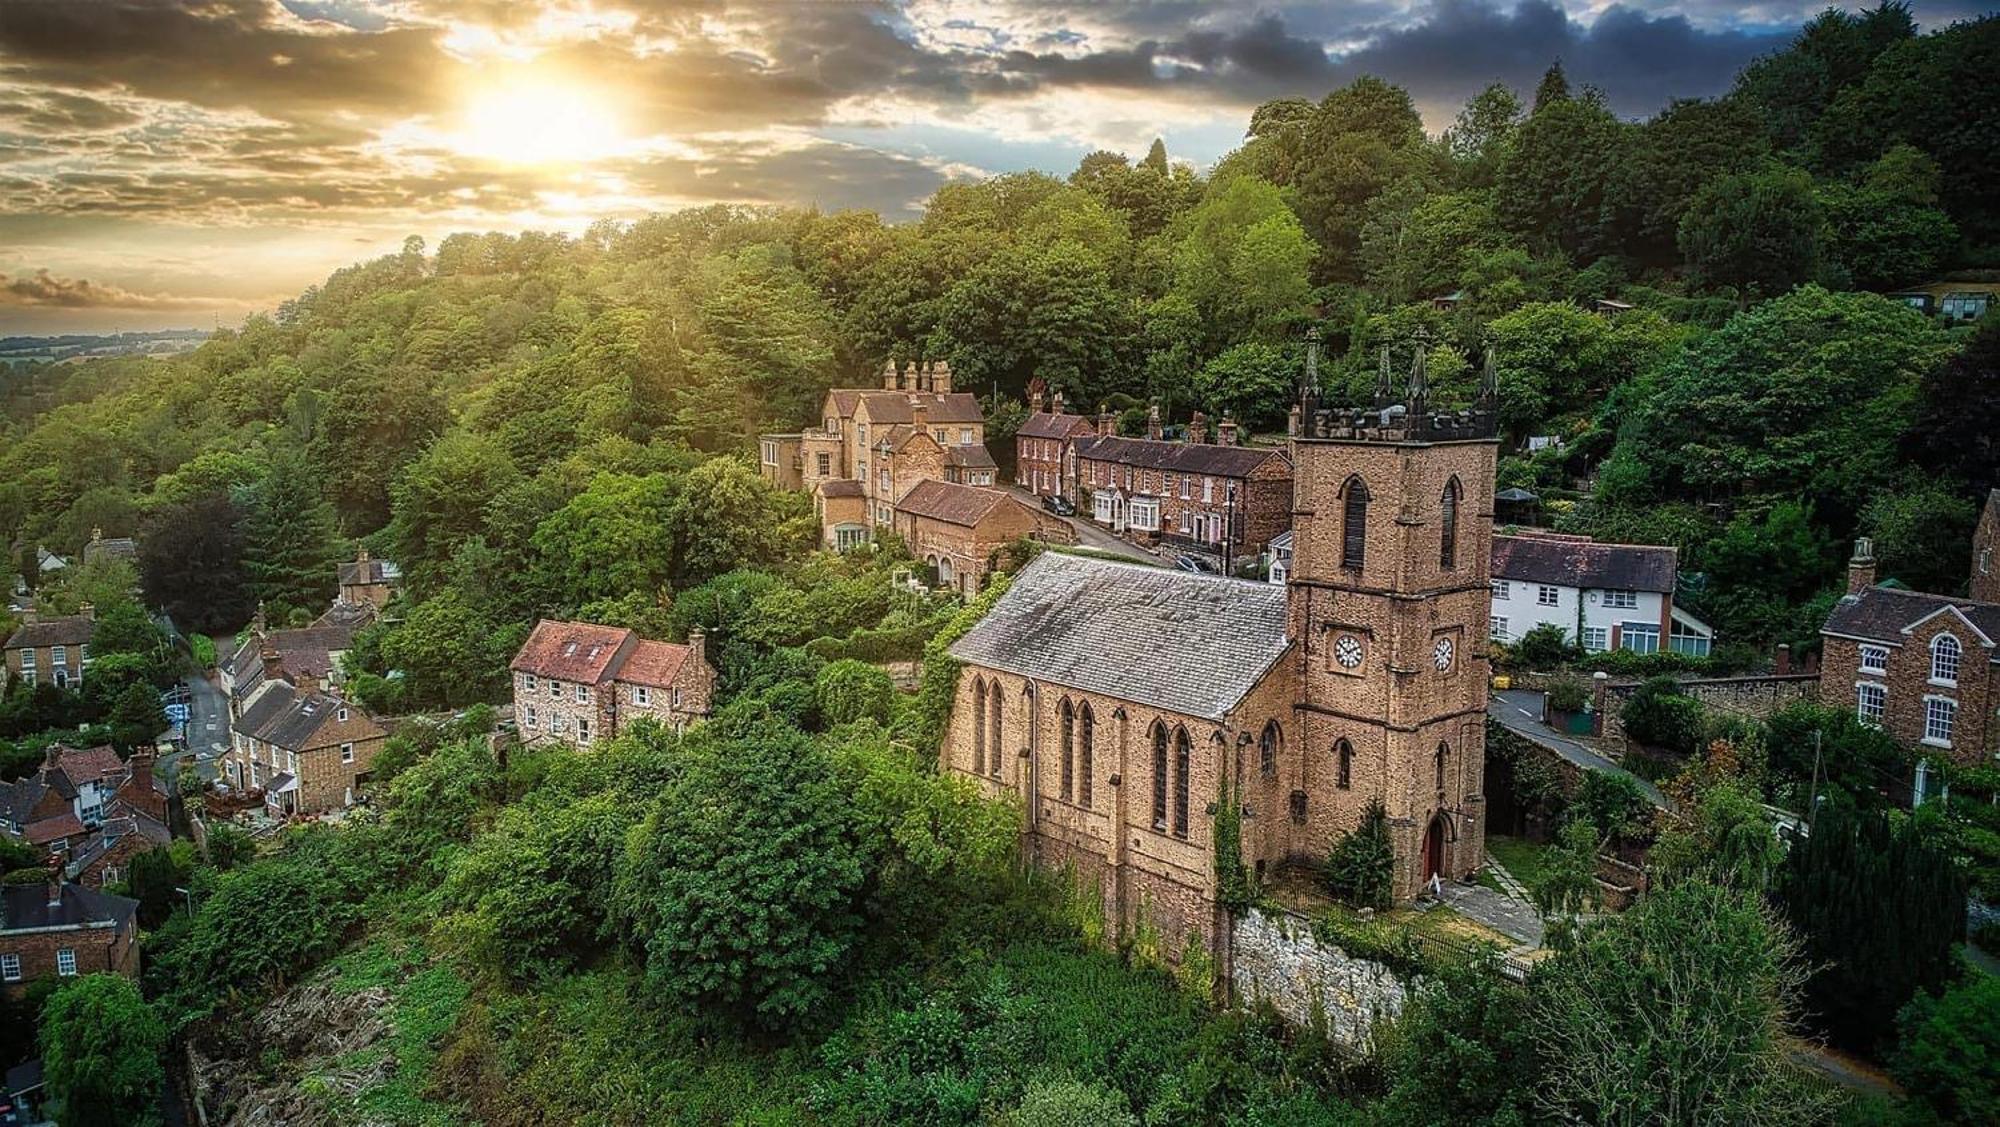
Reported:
(1058, 505)
(1193, 563)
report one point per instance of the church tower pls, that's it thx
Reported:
(1388, 613)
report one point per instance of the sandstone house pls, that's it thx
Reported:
(957, 531)
(48, 651)
(364, 580)
(308, 751)
(87, 810)
(1115, 699)
(579, 682)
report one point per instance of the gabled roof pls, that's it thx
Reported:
(1186, 643)
(110, 548)
(953, 503)
(343, 615)
(948, 407)
(26, 906)
(66, 630)
(841, 487)
(971, 456)
(368, 572)
(47, 830)
(1576, 561)
(1883, 614)
(18, 798)
(1178, 457)
(86, 765)
(306, 654)
(653, 663)
(1048, 424)
(572, 651)
(289, 717)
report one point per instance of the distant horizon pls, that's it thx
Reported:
(160, 164)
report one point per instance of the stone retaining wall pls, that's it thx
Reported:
(1277, 958)
(1755, 696)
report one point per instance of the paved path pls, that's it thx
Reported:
(208, 723)
(1520, 711)
(1506, 880)
(1515, 919)
(1090, 535)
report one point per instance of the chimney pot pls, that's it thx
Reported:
(890, 379)
(1197, 432)
(1225, 432)
(1861, 569)
(1153, 429)
(698, 645)
(88, 611)
(941, 377)
(56, 888)
(1059, 404)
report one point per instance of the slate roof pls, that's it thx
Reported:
(1179, 641)
(972, 456)
(1580, 562)
(951, 502)
(344, 615)
(27, 906)
(1882, 613)
(1048, 424)
(1177, 457)
(65, 630)
(111, 547)
(840, 487)
(290, 717)
(571, 651)
(653, 663)
(305, 654)
(18, 798)
(948, 407)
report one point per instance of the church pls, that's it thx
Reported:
(1114, 700)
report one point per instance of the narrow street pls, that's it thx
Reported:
(1089, 535)
(208, 723)
(1520, 711)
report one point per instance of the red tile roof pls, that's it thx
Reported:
(572, 651)
(89, 764)
(653, 663)
(951, 502)
(52, 829)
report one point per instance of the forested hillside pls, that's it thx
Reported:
(527, 422)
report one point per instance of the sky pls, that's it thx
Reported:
(171, 164)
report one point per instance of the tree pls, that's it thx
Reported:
(741, 887)
(1881, 240)
(373, 423)
(1569, 884)
(101, 1050)
(1659, 714)
(1553, 88)
(1361, 870)
(1921, 531)
(1853, 761)
(1481, 133)
(850, 690)
(289, 545)
(449, 652)
(1255, 384)
(1729, 842)
(1553, 359)
(614, 537)
(439, 500)
(1878, 906)
(1757, 230)
(137, 717)
(726, 516)
(1675, 1012)
(1687, 146)
(1948, 1053)
(1610, 802)
(1556, 180)
(1462, 1050)
(190, 561)
(1957, 426)
(1360, 138)
(1051, 310)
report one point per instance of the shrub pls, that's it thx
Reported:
(850, 690)
(1569, 884)
(1949, 1055)
(101, 1049)
(1361, 870)
(1611, 802)
(1545, 647)
(1569, 693)
(1462, 1051)
(1070, 1103)
(1660, 714)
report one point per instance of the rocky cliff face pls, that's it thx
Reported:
(301, 1060)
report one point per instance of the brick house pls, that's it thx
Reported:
(871, 436)
(580, 682)
(309, 752)
(63, 930)
(1926, 668)
(105, 857)
(367, 580)
(843, 514)
(308, 657)
(1041, 446)
(1986, 551)
(48, 651)
(1219, 500)
(1115, 699)
(957, 530)
(69, 796)
(1601, 596)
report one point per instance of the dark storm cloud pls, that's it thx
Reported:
(45, 289)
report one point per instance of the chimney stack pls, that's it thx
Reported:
(257, 620)
(1153, 430)
(55, 885)
(1861, 569)
(941, 377)
(920, 415)
(891, 379)
(88, 611)
(1197, 432)
(920, 376)
(1059, 404)
(274, 666)
(97, 536)
(1225, 432)
(361, 557)
(1107, 423)
(1037, 394)
(698, 645)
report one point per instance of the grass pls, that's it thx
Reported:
(1527, 860)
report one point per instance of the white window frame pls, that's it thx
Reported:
(28, 660)
(1496, 627)
(528, 719)
(1936, 708)
(66, 962)
(642, 695)
(1502, 589)
(1947, 656)
(965, 436)
(583, 729)
(1629, 630)
(1594, 639)
(347, 753)
(340, 714)
(59, 656)
(1874, 659)
(1547, 596)
(1871, 701)
(1621, 600)
(10, 968)
(582, 693)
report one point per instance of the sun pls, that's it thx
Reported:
(538, 122)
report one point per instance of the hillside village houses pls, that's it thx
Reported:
(874, 445)
(48, 651)
(1219, 499)
(1924, 667)
(1115, 700)
(1601, 596)
(1042, 445)
(54, 929)
(579, 682)
(365, 581)
(308, 751)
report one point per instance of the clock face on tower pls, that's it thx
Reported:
(1347, 651)
(1441, 654)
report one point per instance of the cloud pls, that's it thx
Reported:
(45, 289)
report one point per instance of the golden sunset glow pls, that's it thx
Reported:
(538, 122)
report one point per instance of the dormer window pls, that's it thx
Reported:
(1945, 652)
(341, 715)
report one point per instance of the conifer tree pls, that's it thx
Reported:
(1362, 868)
(289, 545)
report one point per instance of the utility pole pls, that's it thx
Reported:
(1812, 799)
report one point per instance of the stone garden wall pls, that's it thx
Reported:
(1277, 958)
(1756, 697)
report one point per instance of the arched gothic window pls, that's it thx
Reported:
(1944, 659)
(1443, 753)
(1183, 753)
(1086, 751)
(997, 739)
(1068, 714)
(1354, 525)
(1159, 776)
(979, 725)
(1343, 754)
(1268, 747)
(1448, 526)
